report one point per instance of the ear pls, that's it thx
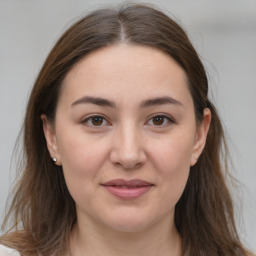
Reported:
(50, 136)
(201, 135)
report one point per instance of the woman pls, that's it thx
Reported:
(122, 147)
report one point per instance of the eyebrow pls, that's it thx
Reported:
(160, 101)
(146, 103)
(95, 100)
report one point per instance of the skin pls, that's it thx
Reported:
(156, 143)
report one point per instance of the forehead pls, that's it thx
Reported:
(126, 70)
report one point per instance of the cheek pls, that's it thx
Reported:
(82, 165)
(173, 154)
(172, 160)
(81, 159)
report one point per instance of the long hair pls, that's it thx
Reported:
(42, 211)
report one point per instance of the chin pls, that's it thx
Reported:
(129, 227)
(129, 222)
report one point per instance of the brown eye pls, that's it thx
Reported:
(97, 120)
(158, 120)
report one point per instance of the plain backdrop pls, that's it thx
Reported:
(224, 34)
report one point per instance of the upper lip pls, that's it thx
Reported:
(130, 183)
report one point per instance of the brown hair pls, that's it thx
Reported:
(42, 208)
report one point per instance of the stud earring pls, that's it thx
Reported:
(195, 157)
(54, 159)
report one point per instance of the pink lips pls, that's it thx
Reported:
(127, 189)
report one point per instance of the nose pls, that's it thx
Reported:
(128, 148)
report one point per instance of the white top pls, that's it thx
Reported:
(5, 251)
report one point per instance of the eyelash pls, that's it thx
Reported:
(166, 119)
(90, 119)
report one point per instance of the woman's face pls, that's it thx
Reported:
(125, 134)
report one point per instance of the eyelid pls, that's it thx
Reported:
(170, 119)
(89, 117)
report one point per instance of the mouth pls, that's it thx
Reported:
(127, 189)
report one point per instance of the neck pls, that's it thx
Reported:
(161, 239)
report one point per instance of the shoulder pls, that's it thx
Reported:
(6, 251)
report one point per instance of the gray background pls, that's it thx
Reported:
(224, 33)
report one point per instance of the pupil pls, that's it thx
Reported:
(158, 120)
(97, 120)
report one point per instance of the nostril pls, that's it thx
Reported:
(128, 149)
(131, 162)
(128, 166)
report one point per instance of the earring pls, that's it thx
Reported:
(54, 159)
(195, 157)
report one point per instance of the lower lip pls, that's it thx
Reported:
(128, 193)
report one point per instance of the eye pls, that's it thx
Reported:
(95, 120)
(160, 120)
